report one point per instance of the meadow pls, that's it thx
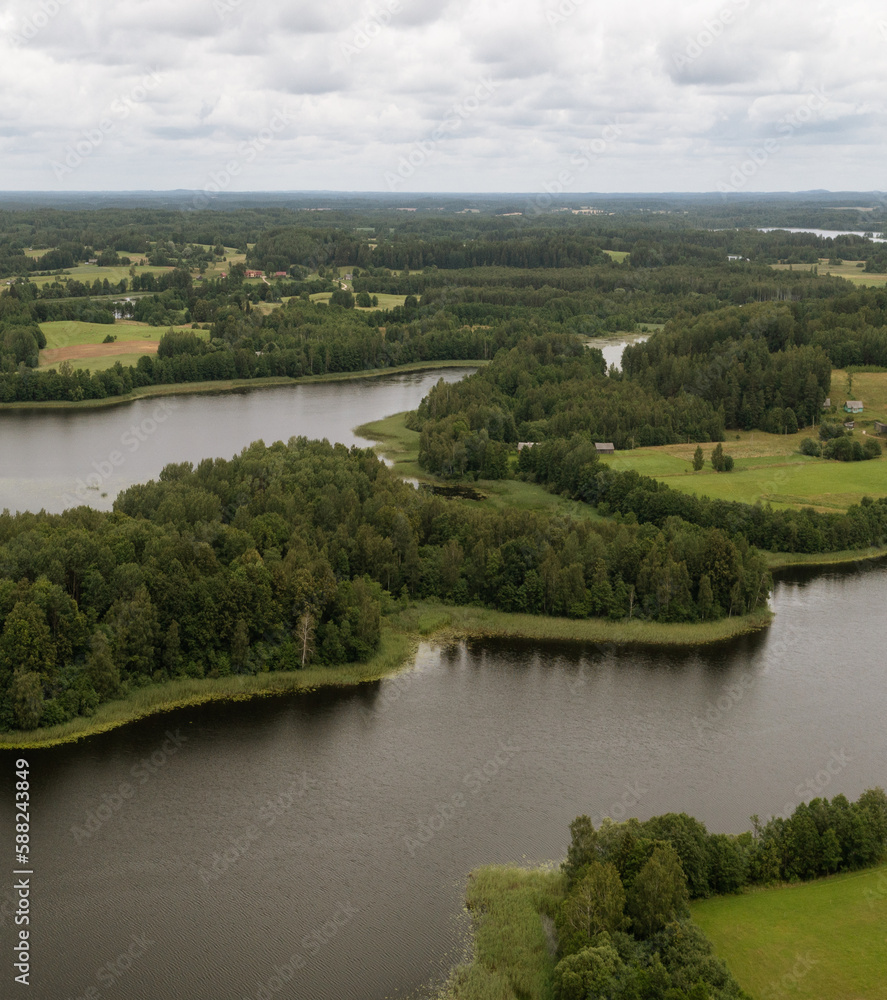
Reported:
(83, 343)
(822, 940)
(847, 269)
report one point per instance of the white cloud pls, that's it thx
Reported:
(693, 88)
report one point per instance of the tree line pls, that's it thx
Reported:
(623, 928)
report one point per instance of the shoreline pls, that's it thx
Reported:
(423, 621)
(235, 385)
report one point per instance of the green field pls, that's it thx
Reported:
(824, 940)
(847, 270)
(70, 333)
(87, 273)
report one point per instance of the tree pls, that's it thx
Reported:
(26, 694)
(698, 458)
(596, 904)
(100, 667)
(717, 458)
(240, 647)
(305, 636)
(659, 893)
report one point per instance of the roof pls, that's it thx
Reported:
(605, 446)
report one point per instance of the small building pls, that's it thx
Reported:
(849, 425)
(280, 274)
(253, 274)
(605, 447)
(524, 444)
(880, 428)
(827, 403)
(853, 406)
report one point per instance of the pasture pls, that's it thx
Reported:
(822, 940)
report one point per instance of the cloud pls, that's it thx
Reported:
(692, 86)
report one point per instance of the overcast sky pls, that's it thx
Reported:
(425, 95)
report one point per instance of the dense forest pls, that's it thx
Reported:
(290, 554)
(624, 930)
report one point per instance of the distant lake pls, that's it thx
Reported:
(826, 233)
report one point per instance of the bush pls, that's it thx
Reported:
(811, 447)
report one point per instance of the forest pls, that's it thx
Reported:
(290, 554)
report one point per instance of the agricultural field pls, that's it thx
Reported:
(822, 940)
(82, 343)
(87, 273)
(770, 468)
(847, 269)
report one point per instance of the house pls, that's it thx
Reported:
(605, 447)
(253, 274)
(524, 444)
(849, 425)
(880, 428)
(827, 403)
(853, 406)
(280, 274)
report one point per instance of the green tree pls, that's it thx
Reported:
(101, 670)
(659, 893)
(596, 904)
(698, 459)
(26, 693)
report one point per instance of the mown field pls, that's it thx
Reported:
(823, 940)
(82, 343)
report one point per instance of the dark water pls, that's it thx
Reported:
(193, 883)
(54, 459)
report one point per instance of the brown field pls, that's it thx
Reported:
(79, 352)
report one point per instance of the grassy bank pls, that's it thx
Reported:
(822, 940)
(513, 953)
(229, 385)
(401, 635)
(784, 560)
(455, 622)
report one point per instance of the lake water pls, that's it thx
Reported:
(612, 347)
(54, 459)
(825, 233)
(315, 847)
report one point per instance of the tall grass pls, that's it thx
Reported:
(513, 948)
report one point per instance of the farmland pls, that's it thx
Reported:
(822, 940)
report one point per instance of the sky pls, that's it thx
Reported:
(425, 95)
